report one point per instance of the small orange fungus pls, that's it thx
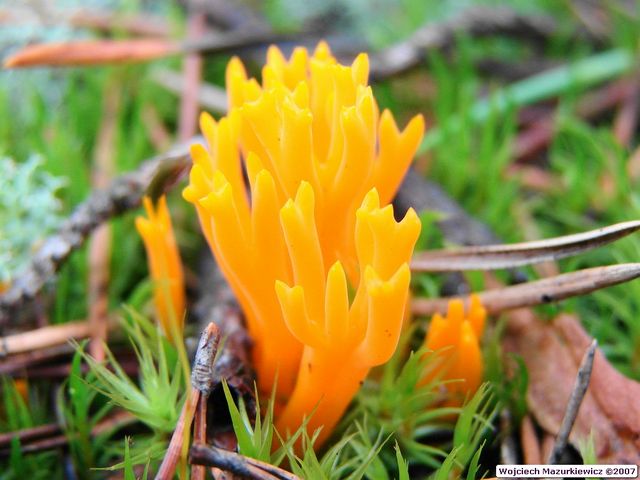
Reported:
(456, 340)
(164, 265)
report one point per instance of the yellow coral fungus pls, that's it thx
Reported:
(342, 342)
(456, 341)
(311, 120)
(164, 265)
(316, 120)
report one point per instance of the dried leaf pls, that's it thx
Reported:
(91, 52)
(542, 291)
(491, 257)
(618, 396)
(552, 354)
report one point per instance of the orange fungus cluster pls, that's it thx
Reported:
(322, 165)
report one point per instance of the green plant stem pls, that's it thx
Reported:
(581, 74)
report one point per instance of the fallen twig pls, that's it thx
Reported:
(27, 434)
(477, 22)
(117, 420)
(192, 73)
(529, 442)
(20, 361)
(99, 52)
(491, 257)
(91, 52)
(539, 292)
(170, 462)
(100, 241)
(201, 385)
(579, 390)
(61, 371)
(44, 337)
(198, 472)
(238, 464)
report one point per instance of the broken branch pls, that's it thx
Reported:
(539, 292)
(477, 22)
(44, 337)
(491, 257)
(201, 386)
(238, 464)
(575, 400)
